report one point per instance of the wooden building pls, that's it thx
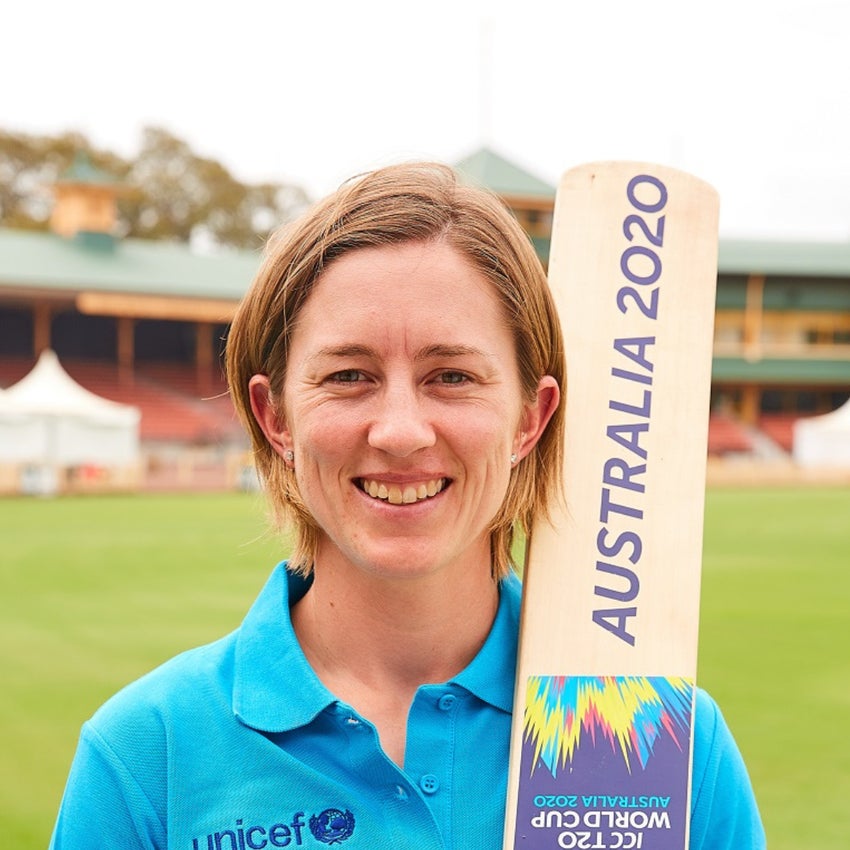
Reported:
(134, 320)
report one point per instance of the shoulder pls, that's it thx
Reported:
(724, 813)
(713, 741)
(117, 787)
(197, 686)
(144, 710)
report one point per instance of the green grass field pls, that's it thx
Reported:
(95, 591)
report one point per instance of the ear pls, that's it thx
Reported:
(268, 415)
(536, 415)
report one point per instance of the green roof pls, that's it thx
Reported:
(781, 370)
(82, 170)
(34, 260)
(817, 259)
(38, 260)
(492, 171)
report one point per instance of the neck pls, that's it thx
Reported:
(373, 640)
(396, 633)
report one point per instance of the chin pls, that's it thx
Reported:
(401, 565)
(417, 560)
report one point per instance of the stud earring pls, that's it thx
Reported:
(513, 458)
(289, 455)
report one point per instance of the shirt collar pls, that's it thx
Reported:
(275, 689)
(490, 675)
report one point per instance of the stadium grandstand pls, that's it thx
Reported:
(143, 322)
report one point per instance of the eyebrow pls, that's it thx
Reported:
(351, 350)
(439, 350)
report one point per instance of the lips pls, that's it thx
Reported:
(402, 494)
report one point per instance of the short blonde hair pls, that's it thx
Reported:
(416, 202)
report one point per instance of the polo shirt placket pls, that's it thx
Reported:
(431, 750)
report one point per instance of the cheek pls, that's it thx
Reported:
(488, 429)
(486, 442)
(324, 430)
(324, 444)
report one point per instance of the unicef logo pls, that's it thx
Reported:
(332, 826)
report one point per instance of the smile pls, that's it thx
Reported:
(402, 495)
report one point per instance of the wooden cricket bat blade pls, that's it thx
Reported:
(603, 712)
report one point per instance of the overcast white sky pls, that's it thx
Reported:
(751, 95)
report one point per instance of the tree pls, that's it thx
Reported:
(170, 192)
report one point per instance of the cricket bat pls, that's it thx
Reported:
(602, 740)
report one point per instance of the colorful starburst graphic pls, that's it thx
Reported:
(627, 713)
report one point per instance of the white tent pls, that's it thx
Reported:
(824, 440)
(20, 434)
(48, 418)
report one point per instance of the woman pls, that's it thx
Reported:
(398, 365)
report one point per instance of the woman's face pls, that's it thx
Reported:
(402, 406)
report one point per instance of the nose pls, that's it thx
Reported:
(399, 424)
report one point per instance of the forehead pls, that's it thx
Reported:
(428, 291)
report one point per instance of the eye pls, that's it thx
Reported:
(450, 377)
(346, 376)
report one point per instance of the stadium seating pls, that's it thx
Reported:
(727, 436)
(176, 405)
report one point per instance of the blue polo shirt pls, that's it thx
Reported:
(238, 746)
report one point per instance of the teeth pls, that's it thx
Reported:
(410, 493)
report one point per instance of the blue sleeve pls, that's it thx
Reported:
(103, 806)
(724, 814)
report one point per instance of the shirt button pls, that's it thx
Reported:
(429, 783)
(446, 702)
